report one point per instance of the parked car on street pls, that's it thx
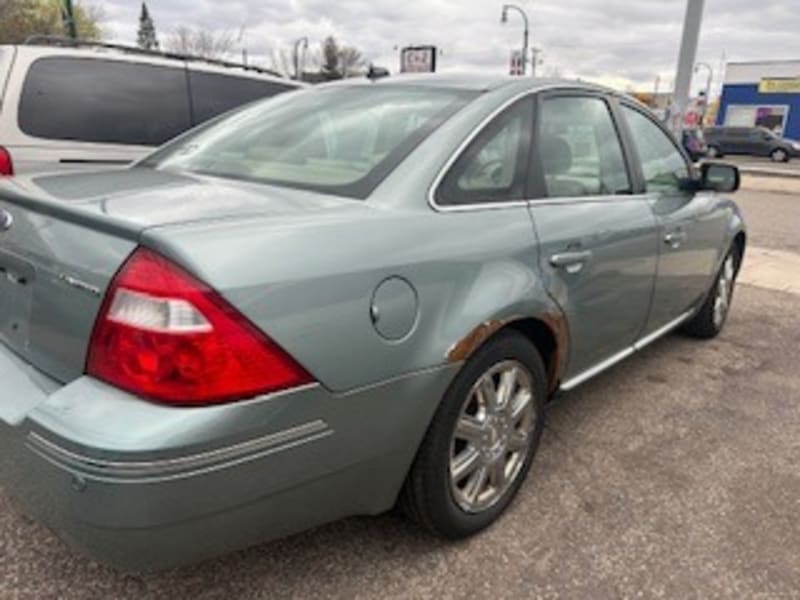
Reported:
(337, 299)
(67, 105)
(753, 141)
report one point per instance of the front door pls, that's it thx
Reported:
(690, 226)
(598, 241)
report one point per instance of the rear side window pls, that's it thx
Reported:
(493, 167)
(213, 93)
(663, 165)
(579, 148)
(91, 100)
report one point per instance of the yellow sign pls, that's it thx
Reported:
(782, 85)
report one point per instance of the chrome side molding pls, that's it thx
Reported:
(179, 466)
(625, 353)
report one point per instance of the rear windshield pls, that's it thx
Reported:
(341, 140)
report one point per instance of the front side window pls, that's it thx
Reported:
(579, 148)
(493, 167)
(663, 166)
(104, 101)
(341, 140)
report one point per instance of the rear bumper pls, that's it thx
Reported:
(142, 486)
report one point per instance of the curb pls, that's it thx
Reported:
(760, 172)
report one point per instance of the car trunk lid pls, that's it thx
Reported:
(67, 236)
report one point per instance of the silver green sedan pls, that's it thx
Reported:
(336, 300)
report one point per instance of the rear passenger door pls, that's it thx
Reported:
(597, 239)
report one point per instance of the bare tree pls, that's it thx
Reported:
(201, 42)
(351, 61)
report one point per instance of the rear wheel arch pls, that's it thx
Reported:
(548, 334)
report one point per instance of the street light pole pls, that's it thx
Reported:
(708, 89)
(303, 40)
(504, 19)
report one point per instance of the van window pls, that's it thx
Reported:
(214, 93)
(105, 101)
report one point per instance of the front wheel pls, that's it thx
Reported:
(480, 444)
(779, 155)
(711, 317)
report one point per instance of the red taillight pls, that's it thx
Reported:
(6, 166)
(164, 335)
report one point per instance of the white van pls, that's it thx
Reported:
(78, 105)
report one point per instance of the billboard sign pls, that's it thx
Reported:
(418, 59)
(779, 85)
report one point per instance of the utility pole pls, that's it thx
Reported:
(68, 19)
(686, 58)
(298, 68)
(535, 52)
(655, 91)
(504, 19)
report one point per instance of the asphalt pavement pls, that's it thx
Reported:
(675, 475)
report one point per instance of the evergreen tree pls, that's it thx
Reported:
(146, 37)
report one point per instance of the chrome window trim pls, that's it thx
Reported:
(480, 206)
(460, 150)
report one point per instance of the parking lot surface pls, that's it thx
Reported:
(675, 474)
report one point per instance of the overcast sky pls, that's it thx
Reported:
(624, 43)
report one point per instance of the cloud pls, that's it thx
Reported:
(626, 43)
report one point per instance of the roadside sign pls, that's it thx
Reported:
(418, 59)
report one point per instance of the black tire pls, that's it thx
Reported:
(427, 496)
(705, 325)
(779, 155)
(714, 152)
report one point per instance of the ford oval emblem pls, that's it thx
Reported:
(6, 220)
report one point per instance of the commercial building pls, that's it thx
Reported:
(765, 94)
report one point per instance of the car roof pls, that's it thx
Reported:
(43, 45)
(480, 83)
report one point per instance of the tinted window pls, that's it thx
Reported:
(213, 93)
(342, 140)
(493, 167)
(663, 165)
(94, 100)
(579, 148)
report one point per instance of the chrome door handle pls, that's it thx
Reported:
(675, 238)
(571, 262)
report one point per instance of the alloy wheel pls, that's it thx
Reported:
(492, 436)
(722, 299)
(779, 156)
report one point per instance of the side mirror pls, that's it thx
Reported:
(719, 177)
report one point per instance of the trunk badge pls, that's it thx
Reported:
(6, 220)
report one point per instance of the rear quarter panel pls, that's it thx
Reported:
(308, 282)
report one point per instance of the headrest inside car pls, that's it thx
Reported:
(556, 155)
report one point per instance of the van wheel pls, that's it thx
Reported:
(481, 441)
(711, 317)
(779, 155)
